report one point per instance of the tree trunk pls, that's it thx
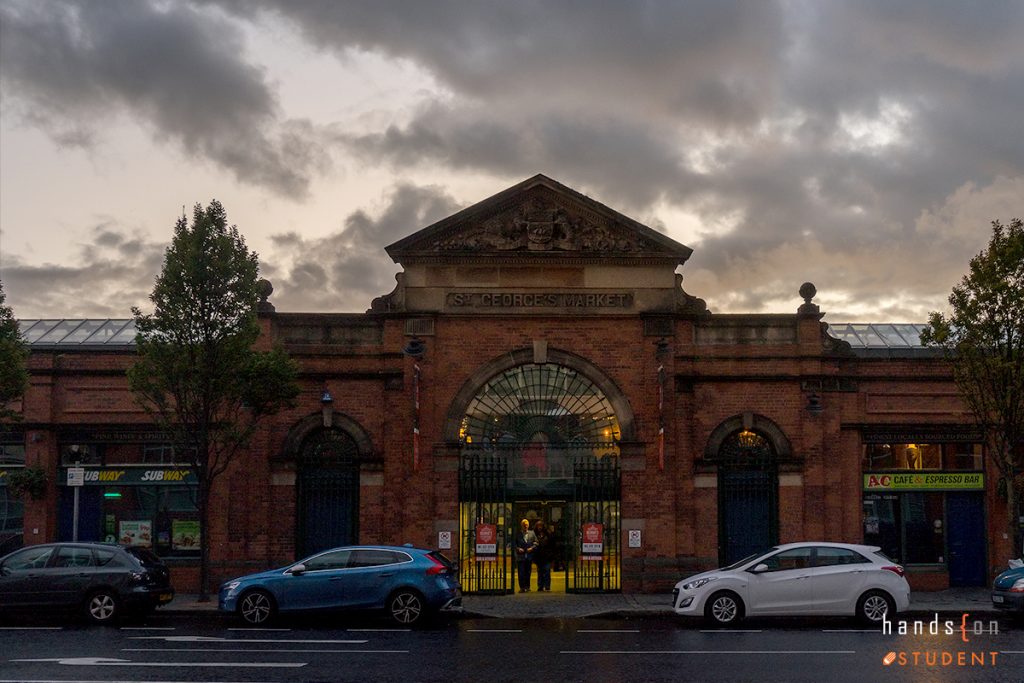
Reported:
(204, 538)
(1012, 514)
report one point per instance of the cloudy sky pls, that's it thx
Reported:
(861, 145)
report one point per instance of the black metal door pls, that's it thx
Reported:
(327, 497)
(484, 509)
(748, 498)
(595, 527)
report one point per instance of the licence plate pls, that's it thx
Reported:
(166, 597)
(997, 598)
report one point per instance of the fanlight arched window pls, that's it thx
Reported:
(746, 448)
(541, 405)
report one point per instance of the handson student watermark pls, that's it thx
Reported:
(956, 654)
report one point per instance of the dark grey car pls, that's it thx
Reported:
(102, 580)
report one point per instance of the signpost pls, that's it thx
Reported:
(76, 479)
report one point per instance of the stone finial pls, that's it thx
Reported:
(807, 291)
(265, 289)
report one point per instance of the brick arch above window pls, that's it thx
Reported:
(306, 427)
(759, 424)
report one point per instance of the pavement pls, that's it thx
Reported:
(555, 605)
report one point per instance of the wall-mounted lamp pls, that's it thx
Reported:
(415, 348)
(327, 408)
(814, 404)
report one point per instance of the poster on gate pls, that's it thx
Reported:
(486, 542)
(593, 541)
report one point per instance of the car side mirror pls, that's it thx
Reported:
(297, 569)
(759, 568)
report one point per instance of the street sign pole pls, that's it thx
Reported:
(76, 479)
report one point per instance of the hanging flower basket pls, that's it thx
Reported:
(29, 481)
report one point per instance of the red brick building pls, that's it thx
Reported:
(537, 359)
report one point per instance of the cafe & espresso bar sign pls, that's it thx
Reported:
(924, 481)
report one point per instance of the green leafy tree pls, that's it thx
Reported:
(13, 369)
(983, 336)
(198, 373)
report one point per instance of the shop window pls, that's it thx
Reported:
(909, 527)
(11, 516)
(122, 454)
(903, 456)
(12, 453)
(81, 454)
(963, 456)
(164, 519)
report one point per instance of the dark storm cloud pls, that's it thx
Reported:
(346, 270)
(69, 66)
(112, 272)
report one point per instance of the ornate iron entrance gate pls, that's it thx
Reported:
(327, 499)
(748, 497)
(596, 552)
(485, 510)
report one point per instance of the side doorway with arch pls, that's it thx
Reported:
(746, 450)
(328, 461)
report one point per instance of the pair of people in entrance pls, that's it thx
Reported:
(533, 546)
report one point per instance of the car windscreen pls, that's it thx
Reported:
(748, 558)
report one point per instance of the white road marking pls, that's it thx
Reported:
(106, 661)
(268, 652)
(708, 652)
(608, 630)
(215, 639)
(259, 629)
(851, 630)
(31, 628)
(731, 630)
(378, 630)
(147, 628)
(494, 630)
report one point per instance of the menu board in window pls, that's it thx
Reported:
(185, 534)
(136, 532)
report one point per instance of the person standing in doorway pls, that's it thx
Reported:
(526, 544)
(543, 556)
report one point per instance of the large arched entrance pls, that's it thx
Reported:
(540, 441)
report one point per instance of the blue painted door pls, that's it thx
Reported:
(748, 509)
(965, 539)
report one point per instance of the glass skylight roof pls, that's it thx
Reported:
(78, 332)
(120, 332)
(878, 335)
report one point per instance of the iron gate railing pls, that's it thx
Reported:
(327, 496)
(483, 500)
(748, 497)
(597, 551)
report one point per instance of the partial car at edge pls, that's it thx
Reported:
(1008, 590)
(102, 580)
(407, 583)
(798, 579)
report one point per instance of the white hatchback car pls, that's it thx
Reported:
(798, 579)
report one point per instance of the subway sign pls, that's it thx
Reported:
(136, 476)
(924, 481)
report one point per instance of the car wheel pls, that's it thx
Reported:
(406, 607)
(256, 607)
(102, 607)
(873, 606)
(723, 608)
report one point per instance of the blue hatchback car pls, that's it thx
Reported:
(408, 583)
(1008, 590)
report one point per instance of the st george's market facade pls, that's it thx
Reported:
(537, 359)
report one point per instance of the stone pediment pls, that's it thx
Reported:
(537, 220)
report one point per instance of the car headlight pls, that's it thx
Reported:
(693, 585)
(232, 585)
